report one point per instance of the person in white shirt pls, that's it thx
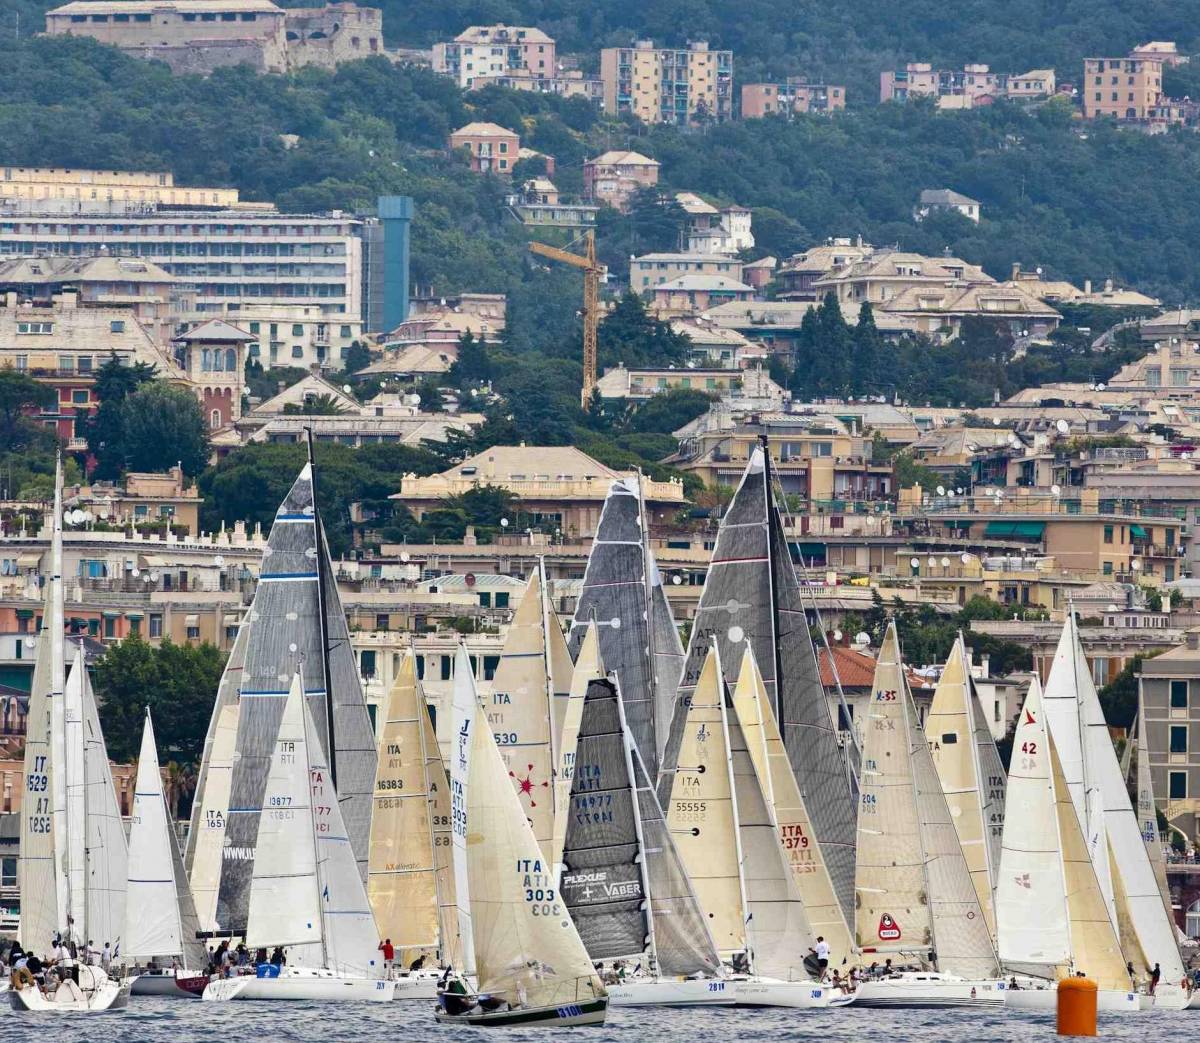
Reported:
(822, 953)
(106, 956)
(65, 963)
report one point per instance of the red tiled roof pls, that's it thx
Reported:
(857, 669)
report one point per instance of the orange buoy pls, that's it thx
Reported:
(1077, 999)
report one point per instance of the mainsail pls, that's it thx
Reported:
(464, 711)
(43, 805)
(160, 919)
(751, 594)
(588, 667)
(1147, 810)
(443, 838)
(285, 635)
(402, 872)
(526, 948)
(809, 872)
(623, 595)
(992, 776)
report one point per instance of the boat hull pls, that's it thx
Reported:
(1046, 1000)
(766, 992)
(417, 986)
(185, 986)
(106, 994)
(299, 988)
(929, 991)
(589, 1012)
(667, 992)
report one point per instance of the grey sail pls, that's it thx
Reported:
(619, 593)
(752, 594)
(993, 780)
(602, 876)
(284, 638)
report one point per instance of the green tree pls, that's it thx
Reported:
(176, 683)
(631, 337)
(472, 365)
(162, 425)
(323, 404)
(104, 431)
(20, 393)
(356, 357)
(1118, 698)
(670, 410)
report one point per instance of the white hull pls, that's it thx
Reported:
(1168, 998)
(107, 995)
(419, 986)
(187, 985)
(301, 987)
(1046, 1000)
(768, 992)
(929, 990)
(669, 992)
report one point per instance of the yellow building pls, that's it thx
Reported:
(1126, 88)
(111, 186)
(668, 85)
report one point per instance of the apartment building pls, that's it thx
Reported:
(715, 230)
(652, 270)
(942, 199)
(1126, 89)
(668, 85)
(974, 84)
(493, 149)
(1170, 370)
(90, 187)
(198, 36)
(296, 335)
(614, 177)
(799, 273)
(882, 274)
(794, 95)
(482, 54)
(1169, 694)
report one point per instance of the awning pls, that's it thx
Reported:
(133, 615)
(958, 523)
(28, 560)
(191, 621)
(109, 614)
(1026, 529)
(1138, 532)
(24, 613)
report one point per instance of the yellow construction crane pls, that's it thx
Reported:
(591, 300)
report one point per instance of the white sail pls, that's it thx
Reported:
(559, 667)
(949, 731)
(1147, 811)
(207, 841)
(1077, 726)
(1031, 909)
(588, 667)
(526, 947)
(152, 922)
(464, 708)
(43, 805)
(443, 839)
(892, 910)
(992, 778)
(778, 934)
(702, 816)
(74, 853)
(348, 928)
(520, 711)
(401, 875)
(285, 907)
(105, 846)
(809, 872)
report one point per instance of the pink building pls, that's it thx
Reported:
(615, 176)
(794, 95)
(493, 148)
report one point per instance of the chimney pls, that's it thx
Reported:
(1193, 640)
(985, 660)
(1087, 286)
(1016, 271)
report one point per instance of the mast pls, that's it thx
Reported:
(549, 677)
(648, 588)
(422, 714)
(768, 501)
(737, 825)
(323, 615)
(630, 753)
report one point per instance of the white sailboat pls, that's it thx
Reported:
(1050, 908)
(73, 860)
(532, 967)
(732, 848)
(402, 871)
(306, 893)
(160, 917)
(914, 889)
(1111, 827)
(464, 708)
(949, 729)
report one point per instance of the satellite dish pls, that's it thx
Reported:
(1112, 608)
(1062, 427)
(915, 562)
(134, 572)
(965, 558)
(945, 563)
(1055, 490)
(1135, 565)
(346, 388)
(941, 490)
(86, 516)
(677, 579)
(404, 556)
(995, 421)
(862, 638)
(219, 561)
(837, 635)
(999, 494)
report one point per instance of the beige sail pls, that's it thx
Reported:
(519, 712)
(560, 672)
(526, 947)
(778, 935)
(443, 860)
(210, 823)
(587, 668)
(401, 881)
(701, 815)
(809, 872)
(1126, 932)
(949, 732)
(1147, 811)
(1095, 948)
(891, 906)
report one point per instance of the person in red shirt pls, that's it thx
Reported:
(389, 958)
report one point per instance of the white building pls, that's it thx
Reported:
(300, 335)
(933, 199)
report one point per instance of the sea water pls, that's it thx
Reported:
(193, 1021)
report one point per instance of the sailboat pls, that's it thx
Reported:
(73, 853)
(623, 596)
(295, 620)
(733, 851)
(1110, 824)
(306, 893)
(915, 893)
(531, 966)
(1147, 810)
(972, 777)
(528, 701)
(160, 916)
(752, 595)
(1050, 908)
(411, 802)
(622, 879)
